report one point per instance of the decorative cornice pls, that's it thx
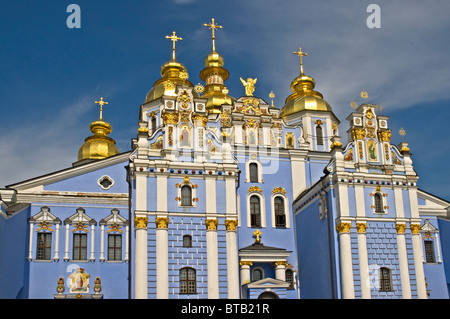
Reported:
(255, 189)
(278, 190)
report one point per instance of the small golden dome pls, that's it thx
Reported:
(99, 145)
(304, 97)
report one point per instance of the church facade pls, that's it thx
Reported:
(228, 198)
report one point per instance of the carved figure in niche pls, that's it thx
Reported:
(79, 281)
(252, 138)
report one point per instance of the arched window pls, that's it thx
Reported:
(187, 241)
(385, 279)
(378, 203)
(280, 216)
(188, 284)
(186, 196)
(253, 167)
(153, 123)
(319, 135)
(257, 274)
(290, 278)
(255, 211)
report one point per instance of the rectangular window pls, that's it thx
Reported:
(44, 246)
(114, 247)
(429, 251)
(79, 247)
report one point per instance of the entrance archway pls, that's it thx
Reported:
(268, 295)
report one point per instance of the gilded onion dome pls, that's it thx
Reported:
(99, 145)
(173, 73)
(304, 97)
(214, 75)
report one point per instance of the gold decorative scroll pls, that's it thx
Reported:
(211, 224)
(140, 222)
(162, 222)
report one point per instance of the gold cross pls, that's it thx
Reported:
(301, 54)
(174, 39)
(101, 102)
(257, 233)
(213, 26)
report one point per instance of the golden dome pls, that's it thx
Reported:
(170, 73)
(99, 145)
(304, 97)
(214, 75)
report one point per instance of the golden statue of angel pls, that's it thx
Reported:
(249, 86)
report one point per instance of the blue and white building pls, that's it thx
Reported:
(228, 198)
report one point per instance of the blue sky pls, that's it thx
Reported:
(51, 75)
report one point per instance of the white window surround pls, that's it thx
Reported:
(115, 223)
(45, 221)
(286, 209)
(247, 170)
(262, 208)
(187, 182)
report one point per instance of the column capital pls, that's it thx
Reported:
(162, 222)
(415, 229)
(343, 227)
(281, 263)
(245, 263)
(361, 228)
(231, 224)
(400, 228)
(211, 224)
(140, 222)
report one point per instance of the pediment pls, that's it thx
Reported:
(267, 283)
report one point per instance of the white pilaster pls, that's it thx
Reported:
(403, 261)
(280, 270)
(348, 290)
(363, 260)
(212, 258)
(418, 261)
(232, 259)
(140, 280)
(162, 258)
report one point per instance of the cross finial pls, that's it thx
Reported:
(174, 39)
(101, 102)
(257, 233)
(213, 26)
(301, 55)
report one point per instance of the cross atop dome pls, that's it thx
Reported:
(174, 39)
(101, 103)
(301, 55)
(213, 26)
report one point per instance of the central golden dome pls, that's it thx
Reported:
(170, 73)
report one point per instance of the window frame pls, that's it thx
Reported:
(385, 275)
(428, 246)
(117, 251)
(255, 218)
(189, 239)
(187, 281)
(83, 250)
(45, 247)
(186, 199)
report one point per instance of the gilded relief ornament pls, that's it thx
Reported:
(162, 222)
(231, 224)
(279, 190)
(140, 222)
(211, 224)
(249, 86)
